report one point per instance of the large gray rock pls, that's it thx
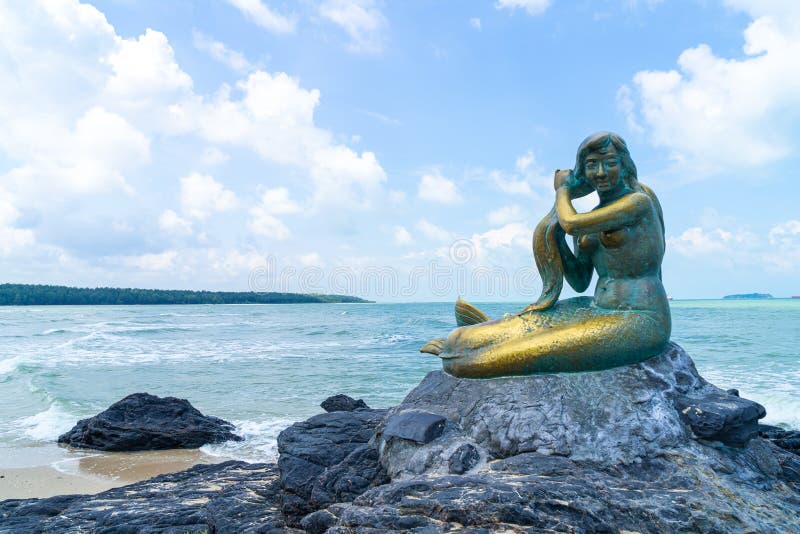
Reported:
(719, 416)
(144, 422)
(615, 416)
(310, 447)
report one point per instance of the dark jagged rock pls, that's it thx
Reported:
(309, 447)
(142, 422)
(227, 497)
(463, 459)
(318, 522)
(414, 425)
(342, 403)
(721, 417)
(785, 439)
(734, 392)
(343, 482)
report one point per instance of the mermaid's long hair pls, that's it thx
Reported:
(546, 235)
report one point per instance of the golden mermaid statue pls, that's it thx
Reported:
(626, 322)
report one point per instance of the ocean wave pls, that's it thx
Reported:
(47, 425)
(260, 441)
(10, 365)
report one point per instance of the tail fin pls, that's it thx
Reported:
(435, 346)
(467, 314)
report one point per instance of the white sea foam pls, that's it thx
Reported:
(46, 425)
(260, 441)
(781, 408)
(10, 365)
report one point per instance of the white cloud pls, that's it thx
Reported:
(516, 235)
(201, 196)
(510, 183)
(259, 13)
(786, 233)
(696, 241)
(716, 113)
(213, 156)
(433, 232)
(145, 68)
(475, 23)
(360, 19)
(173, 223)
(217, 50)
(778, 250)
(264, 224)
(533, 7)
(525, 161)
(90, 157)
(434, 187)
(152, 262)
(275, 118)
(277, 201)
(506, 214)
(402, 236)
(312, 259)
(263, 221)
(12, 239)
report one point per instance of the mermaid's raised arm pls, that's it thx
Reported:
(620, 213)
(577, 267)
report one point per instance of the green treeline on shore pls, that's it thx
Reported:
(40, 295)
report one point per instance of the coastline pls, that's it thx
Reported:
(90, 472)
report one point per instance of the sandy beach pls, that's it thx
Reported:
(87, 472)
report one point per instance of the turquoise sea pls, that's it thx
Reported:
(265, 366)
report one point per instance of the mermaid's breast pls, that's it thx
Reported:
(614, 238)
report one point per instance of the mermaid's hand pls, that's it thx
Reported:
(563, 178)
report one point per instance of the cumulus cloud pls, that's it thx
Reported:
(433, 232)
(217, 50)
(786, 233)
(265, 17)
(532, 7)
(717, 113)
(505, 214)
(173, 223)
(152, 262)
(434, 187)
(277, 201)
(777, 250)
(475, 23)
(202, 196)
(402, 236)
(360, 19)
(87, 106)
(12, 239)
(263, 221)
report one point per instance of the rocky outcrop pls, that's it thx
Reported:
(326, 441)
(227, 497)
(143, 422)
(650, 447)
(782, 437)
(342, 403)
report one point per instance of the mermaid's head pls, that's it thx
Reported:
(601, 142)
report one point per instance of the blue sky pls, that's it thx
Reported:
(395, 150)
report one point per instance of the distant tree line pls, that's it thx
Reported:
(38, 295)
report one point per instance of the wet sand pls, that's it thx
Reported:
(92, 471)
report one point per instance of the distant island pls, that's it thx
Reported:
(749, 296)
(43, 295)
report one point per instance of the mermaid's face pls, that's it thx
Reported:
(603, 170)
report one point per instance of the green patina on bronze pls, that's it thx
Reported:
(622, 239)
